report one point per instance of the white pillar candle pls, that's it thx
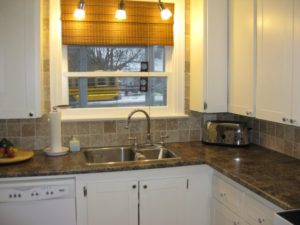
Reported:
(55, 125)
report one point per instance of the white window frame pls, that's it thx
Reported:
(175, 73)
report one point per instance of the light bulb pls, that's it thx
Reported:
(79, 14)
(120, 14)
(165, 14)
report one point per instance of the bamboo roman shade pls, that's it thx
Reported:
(143, 25)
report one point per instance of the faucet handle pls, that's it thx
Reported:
(163, 138)
(135, 144)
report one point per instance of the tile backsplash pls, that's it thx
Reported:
(275, 136)
(35, 133)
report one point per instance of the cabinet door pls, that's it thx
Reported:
(162, 201)
(208, 81)
(221, 215)
(296, 75)
(242, 56)
(19, 59)
(112, 203)
(274, 59)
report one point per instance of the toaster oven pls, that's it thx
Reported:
(226, 133)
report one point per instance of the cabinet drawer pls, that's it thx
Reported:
(257, 213)
(227, 194)
(221, 215)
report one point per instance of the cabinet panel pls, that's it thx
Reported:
(275, 59)
(296, 74)
(162, 201)
(256, 213)
(221, 215)
(112, 202)
(242, 56)
(19, 58)
(227, 194)
(208, 56)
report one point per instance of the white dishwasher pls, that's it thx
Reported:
(43, 202)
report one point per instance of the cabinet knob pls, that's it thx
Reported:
(134, 186)
(31, 114)
(284, 119)
(261, 220)
(145, 186)
(292, 121)
(248, 113)
(222, 194)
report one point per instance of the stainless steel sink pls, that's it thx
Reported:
(109, 155)
(119, 154)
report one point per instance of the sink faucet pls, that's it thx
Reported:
(148, 123)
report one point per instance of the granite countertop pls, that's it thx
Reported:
(274, 176)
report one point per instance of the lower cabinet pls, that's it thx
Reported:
(236, 205)
(112, 202)
(221, 215)
(170, 196)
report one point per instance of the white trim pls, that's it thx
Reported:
(175, 73)
(116, 74)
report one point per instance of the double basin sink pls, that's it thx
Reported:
(109, 155)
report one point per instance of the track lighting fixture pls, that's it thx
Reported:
(121, 13)
(80, 12)
(164, 13)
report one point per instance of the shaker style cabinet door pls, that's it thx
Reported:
(208, 75)
(274, 59)
(162, 201)
(112, 203)
(295, 118)
(20, 59)
(242, 57)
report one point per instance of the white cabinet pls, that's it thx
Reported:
(295, 119)
(20, 59)
(162, 201)
(242, 57)
(170, 196)
(275, 23)
(112, 202)
(221, 215)
(234, 204)
(208, 55)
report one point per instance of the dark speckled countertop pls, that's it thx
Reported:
(274, 176)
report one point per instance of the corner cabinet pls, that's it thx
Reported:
(233, 204)
(278, 71)
(208, 55)
(20, 59)
(158, 196)
(242, 57)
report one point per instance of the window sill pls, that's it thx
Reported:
(79, 118)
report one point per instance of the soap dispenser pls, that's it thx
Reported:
(74, 145)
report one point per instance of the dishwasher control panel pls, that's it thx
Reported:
(35, 192)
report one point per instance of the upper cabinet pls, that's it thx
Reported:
(20, 59)
(295, 119)
(274, 59)
(242, 57)
(208, 78)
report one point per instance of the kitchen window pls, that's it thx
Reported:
(107, 81)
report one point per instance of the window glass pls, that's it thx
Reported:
(116, 92)
(112, 58)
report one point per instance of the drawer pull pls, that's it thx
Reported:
(261, 220)
(222, 194)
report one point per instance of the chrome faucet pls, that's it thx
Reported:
(149, 141)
